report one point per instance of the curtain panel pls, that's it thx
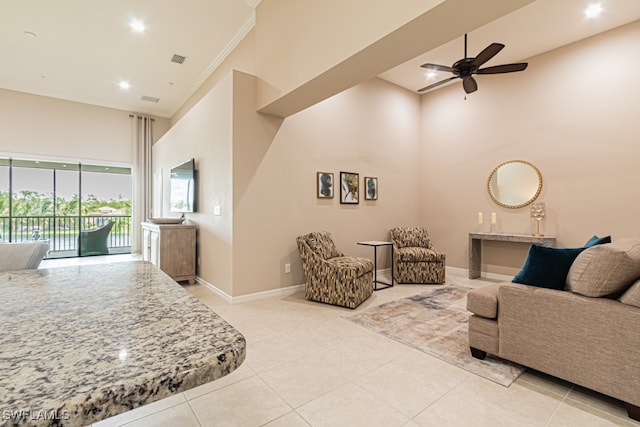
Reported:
(142, 141)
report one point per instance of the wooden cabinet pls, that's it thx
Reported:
(172, 248)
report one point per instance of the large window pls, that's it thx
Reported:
(56, 201)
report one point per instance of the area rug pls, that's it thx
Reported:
(435, 322)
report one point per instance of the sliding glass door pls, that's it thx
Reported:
(106, 197)
(41, 200)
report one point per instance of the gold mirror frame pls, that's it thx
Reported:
(502, 203)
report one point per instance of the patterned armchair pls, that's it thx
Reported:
(330, 276)
(415, 259)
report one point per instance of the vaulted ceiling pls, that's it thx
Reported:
(81, 50)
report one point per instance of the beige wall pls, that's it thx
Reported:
(432, 154)
(371, 129)
(33, 125)
(242, 58)
(205, 133)
(572, 113)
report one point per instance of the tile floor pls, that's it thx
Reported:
(308, 366)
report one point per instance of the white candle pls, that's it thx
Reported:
(480, 218)
(494, 218)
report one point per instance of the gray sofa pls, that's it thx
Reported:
(587, 334)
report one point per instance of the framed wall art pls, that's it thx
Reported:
(324, 181)
(349, 191)
(370, 188)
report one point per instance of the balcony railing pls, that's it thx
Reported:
(63, 231)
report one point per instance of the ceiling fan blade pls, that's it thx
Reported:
(488, 53)
(469, 84)
(437, 84)
(437, 67)
(506, 68)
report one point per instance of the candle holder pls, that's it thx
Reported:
(480, 221)
(538, 213)
(494, 222)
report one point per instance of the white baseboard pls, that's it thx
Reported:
(456, 270)
(251, 297)
(296, 288)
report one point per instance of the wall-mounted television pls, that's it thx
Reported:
(183, 187)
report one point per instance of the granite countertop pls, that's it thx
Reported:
(80, 344)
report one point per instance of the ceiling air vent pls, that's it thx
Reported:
(150, 99)
(178, 59)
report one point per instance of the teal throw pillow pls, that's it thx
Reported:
(595, 240)
(547, 267)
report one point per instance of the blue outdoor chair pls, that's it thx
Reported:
(94, 242)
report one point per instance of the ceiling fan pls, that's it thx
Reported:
(467, 67)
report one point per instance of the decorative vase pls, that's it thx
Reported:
(538, 214)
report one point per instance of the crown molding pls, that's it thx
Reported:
(224, 53)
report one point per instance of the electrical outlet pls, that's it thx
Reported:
(287, 268)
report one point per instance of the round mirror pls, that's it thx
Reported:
(514, 184)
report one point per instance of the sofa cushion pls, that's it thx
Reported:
(359, 265)
(632, 295)
(322, 244)
(484, 301)
(547, 267)
(413, 254)
(607, 269)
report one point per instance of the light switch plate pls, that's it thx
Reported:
(216, 210)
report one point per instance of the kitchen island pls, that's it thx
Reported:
(81, 344)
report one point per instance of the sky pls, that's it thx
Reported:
(105, 186)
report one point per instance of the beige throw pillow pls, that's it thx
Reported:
(605, 269)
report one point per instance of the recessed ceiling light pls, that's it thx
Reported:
(30, 34)
(593, 11)
(124, 85)
(137, 25)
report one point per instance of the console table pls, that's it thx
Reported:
(475, 246)
(80, 344)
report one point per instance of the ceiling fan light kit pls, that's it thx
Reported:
(465, 68)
